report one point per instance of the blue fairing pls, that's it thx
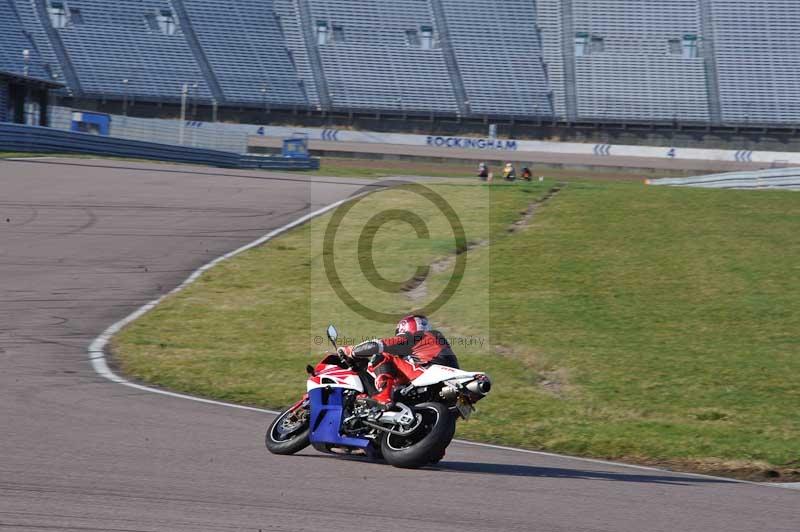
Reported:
(326, 419)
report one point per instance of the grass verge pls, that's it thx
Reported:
(379, 168)
(654, 325)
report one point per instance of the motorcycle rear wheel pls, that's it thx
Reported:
(424, 445)
(289, 432)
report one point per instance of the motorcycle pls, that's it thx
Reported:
(332, 417)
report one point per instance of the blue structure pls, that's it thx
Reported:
(326, 419)
(296, 147)
(90, 122)
(703, 62)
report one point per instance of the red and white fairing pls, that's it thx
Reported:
(435, 374)
(329, 374)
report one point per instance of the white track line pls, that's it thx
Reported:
(97, 355)
(99, 362)
(29, 158)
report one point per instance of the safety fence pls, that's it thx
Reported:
(779, 178)
(209, 135)
(15, 137)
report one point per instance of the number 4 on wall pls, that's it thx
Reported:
(672, 153)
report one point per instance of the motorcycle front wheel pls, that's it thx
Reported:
(424, 445)
(289, 432)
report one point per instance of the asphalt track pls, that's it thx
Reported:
(85, 243)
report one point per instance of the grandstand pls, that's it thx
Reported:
(382, 55)
(245, 50)
(25, 78)
(689, 62)
(758, 60)
(13, 44)
(638, 59)
(498, 51)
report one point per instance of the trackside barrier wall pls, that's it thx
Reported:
(208, 135)
(782, 178)
(521, 147)
(235, 138)
(15, 137)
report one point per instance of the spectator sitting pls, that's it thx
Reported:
(509, 172)
(526, 174)
(483, 171)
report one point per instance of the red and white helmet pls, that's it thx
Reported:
(413, 324)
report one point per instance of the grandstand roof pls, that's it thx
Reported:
(30, 80)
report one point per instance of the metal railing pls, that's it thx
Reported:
(211, 136)
(35, 139)
(779, 178)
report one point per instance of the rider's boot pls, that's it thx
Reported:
(383, 399)
(385, 391)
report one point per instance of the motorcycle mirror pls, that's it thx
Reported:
(333, 334)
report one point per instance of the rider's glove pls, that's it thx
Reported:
(345, 351)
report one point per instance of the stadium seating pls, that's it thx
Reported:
(758, 60)
(499, 55)
(631, 60)
(373, 56)
(32, 25)
(290, 24)
(550, 24)
(109, 42)
(244, 46)
(703, 61)
(13, 41)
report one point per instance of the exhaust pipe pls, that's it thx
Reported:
(404, 417)
(480, 386)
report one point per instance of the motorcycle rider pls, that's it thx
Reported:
(402, 358)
